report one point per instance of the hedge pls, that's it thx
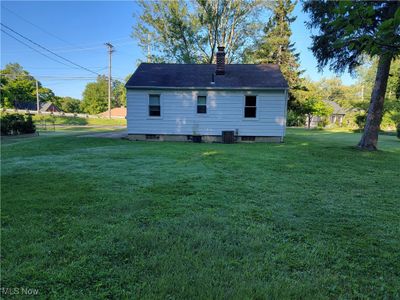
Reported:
(14, 124)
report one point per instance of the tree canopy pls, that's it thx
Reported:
(95, 96)
(189, 32)
(17, 85)
(349, 30)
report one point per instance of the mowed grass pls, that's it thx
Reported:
(41, 120)
(312, 218)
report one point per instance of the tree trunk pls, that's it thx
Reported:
(369, 139)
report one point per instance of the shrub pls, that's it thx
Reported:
(28, 125)
(322, 123)
(4, 125)
(361, 120)
(295, 119)
(398, 130)
(387, 122)
(13, 124)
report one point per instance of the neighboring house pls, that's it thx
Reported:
(117, 112)
(336, 117)
(44, 106)
(338, 113)
(179, 101)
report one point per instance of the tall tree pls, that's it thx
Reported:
(169, 28)
(95, 96)
(189, 32)
(349, 30)
(119, 94)
(391, 108)
(275, 46)
(17, 85)
(366, 76)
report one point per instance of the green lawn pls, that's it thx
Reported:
(41, 120)
(312, 218)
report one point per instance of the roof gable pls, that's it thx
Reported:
(337, 109)
(236, 76)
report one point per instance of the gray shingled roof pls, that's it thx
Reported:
(237, 76)
(337, 109)
(44, 106)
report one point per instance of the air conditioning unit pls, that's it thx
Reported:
(228, 137)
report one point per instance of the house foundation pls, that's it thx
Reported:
(204, 138)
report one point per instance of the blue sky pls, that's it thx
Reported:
(78, 30)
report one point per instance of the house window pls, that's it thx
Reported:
(201, 104)
(154, 106)
(250, 107)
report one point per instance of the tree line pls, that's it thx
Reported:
(19, 86)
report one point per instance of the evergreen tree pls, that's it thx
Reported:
(276, 47)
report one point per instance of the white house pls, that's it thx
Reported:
(181, 102)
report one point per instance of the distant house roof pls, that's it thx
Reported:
(115, 112)
(337, 109)
(25, 105)
(237, 76)
(44, 106)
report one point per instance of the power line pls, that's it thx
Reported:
(44, 48)
(37, 26)
(65, 50)
(90, 48)
(51, 77)
(94, 45)
(59, 77)
(60, 68)
(41, 53)
(123, 41)
(70, 49)
(94, 48)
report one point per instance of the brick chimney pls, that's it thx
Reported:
(220, 61)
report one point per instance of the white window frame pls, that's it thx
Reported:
(148, 106)
(244, 108)
(197, 104)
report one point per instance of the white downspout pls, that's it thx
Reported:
(285, 115)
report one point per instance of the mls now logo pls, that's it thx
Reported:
(19, 291)
(28, 291)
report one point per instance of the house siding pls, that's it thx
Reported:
(225, 111)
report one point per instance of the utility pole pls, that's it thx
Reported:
(110, 51)
(37, 98)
